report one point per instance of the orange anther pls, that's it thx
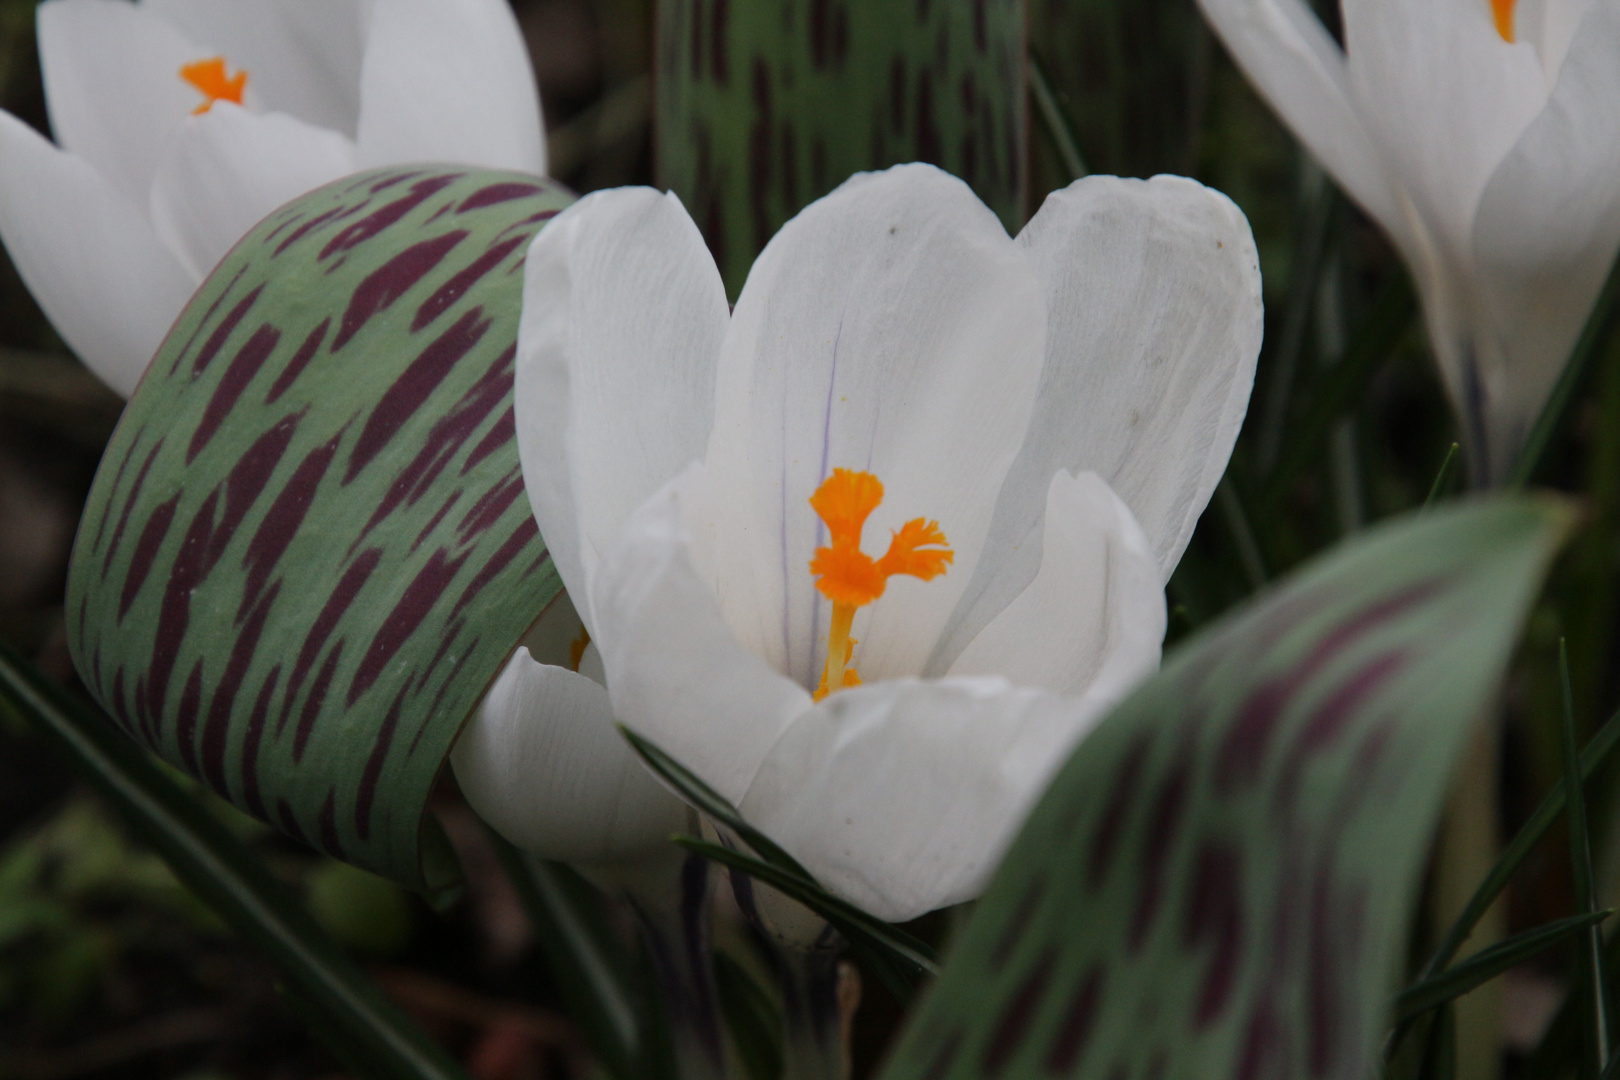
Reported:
(208, 76)
(848, 576)
(1503, 11)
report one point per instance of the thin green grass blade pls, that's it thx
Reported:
(1219, 879)
(1530, 834)
(1236, 518)
(361, 1024)
(1054, 121)
(1317, 201)
(714, 805)
(1443, 476)
(846, 917)
(593, 970)
(1580, 855)
(1487, 964)
(1551, 417)
(1440, 1047)
(1342, 386)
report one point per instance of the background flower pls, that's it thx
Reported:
(1485, 139)
(114, 226)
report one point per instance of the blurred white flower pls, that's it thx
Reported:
(716, 486)
(181, 123)
(1484, 136)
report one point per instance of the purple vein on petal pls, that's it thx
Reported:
(821, 528)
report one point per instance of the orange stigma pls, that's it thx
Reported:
(848, 576)
(208, 76)
(1503, 10)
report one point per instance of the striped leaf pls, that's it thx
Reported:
(1218, 882)
(764, 107)
(308, 550)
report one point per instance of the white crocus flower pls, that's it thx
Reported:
(1484, 136)
(1032, 426)
(180, 123)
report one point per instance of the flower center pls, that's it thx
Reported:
(1503, 10)
(208, 76)
(849, 577)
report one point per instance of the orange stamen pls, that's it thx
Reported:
(848, 576)
(208, 76)
(1503, 10)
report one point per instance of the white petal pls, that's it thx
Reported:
(623, 316)
(1547, 230)
(1154, 324)
(1300, 69)
(902, 796)
(90, 258)
(449, 80)
(543, 763)
(1444, 97)
(1093, 619)
(1551, 25)
(113, 85)
(227, 169)
(890, 327)
(675, 672)
(302, 56)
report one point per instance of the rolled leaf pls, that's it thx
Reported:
(307, 551)
(1218, 882)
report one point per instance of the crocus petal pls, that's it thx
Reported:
(113, 85)
(1300, 69)
(902, 796)
(1444, 96)
(449, 80)
(1547, 229)
(1093, 618)
(543, 762)
(225, 170)
(302, 56)
(623, 316)
(890, 327)
(89, 257)
(674, 671)
(1154, 324)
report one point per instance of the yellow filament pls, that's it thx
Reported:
(852, 579)
(209, 77)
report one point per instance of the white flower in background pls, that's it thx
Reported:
(181, 123)
(1484, 136)
(716, 489)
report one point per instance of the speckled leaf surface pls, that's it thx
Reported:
(763, 107)
(307, 551)
(1218, 882)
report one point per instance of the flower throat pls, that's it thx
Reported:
(849, 577)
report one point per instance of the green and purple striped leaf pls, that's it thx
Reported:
(308, 550)
(762, 108)
(1218, 882)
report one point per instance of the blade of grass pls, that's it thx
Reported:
(364, 1026)
(1596, 752)
(1237, 523)
(1487, 964)
(899, 959)
(1340, 387)
(1440, 1048)
(1054, 120)
(710, 802)
(1580, 856)
(1315, 213)
(591, 967)
(1442, 476)
(1570, 379)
